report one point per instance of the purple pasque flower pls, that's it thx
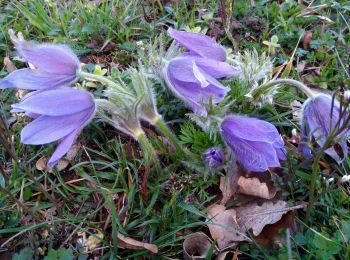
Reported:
(214, 157)
(256, 144)
(316, 125)
(199, 44)
(59, 115)
(55, 66)
(193, 84)
(193, 75)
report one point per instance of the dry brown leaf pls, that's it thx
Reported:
(255, 217)
(254, 187)
(224, 228)
(222, 256)
(41, 164)
(228, 184)
(93, 241)
(130, 243)
(301, 66)
(307, 40)
(10, 67)
(196, 246)
(268, 234)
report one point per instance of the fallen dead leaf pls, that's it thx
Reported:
(196, 246)
(268, 234)
(307, 39)
(254, 217)
(222, 256)
(10, 67)
(41, 164)
(224, 228)
(301, 66)
(228, 184)
(255, 187)
(93, 241)
(130, 243)
(296, 107)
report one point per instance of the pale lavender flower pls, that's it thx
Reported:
(199, 44)
(214, 157)
(59, 115)
(316, 126)
(193, 75)
(55, 65)
(256, 144)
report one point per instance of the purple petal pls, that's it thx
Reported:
(253, 129)
(34, 80)
(51, 58)
(256, 144)
(199, 43)
(194, 85)
(214, 68)
(57, 102)
(255, 156)
(47, 129)
(63, 147)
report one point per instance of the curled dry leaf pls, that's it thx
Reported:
(224, 228)
(254, 217)
(93, 241)
(255, 187)
(231, 226)
(41, 163)
(196, 246)
(130, 243)
(10, 67)
(223, 255)
(307, 40)
(228, 184)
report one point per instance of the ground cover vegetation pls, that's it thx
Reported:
(174, 129)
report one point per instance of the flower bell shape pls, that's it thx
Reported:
(256, 144)
(214, 158)
(193, 75)
(316, 125)
(59, 115)
(55, 65)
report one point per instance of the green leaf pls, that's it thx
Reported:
(60, 254)
(26, 253)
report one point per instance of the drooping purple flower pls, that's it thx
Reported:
(193, 75)
(316, 126)
(194, 85)
(59, 115)
(55, 66)
(199, 44)
(256, 144)
(214, 158)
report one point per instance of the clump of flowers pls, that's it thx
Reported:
(59, 111)
(58, 115)
(193, 74)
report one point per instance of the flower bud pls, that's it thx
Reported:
(214, 158)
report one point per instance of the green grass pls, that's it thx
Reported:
(102, 189)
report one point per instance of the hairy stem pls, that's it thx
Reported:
(149, 152)
(294, 83)
(103, 80)
(169, 134)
